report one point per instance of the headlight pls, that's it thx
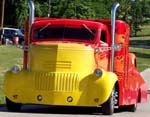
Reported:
(15, 69)
(98, 72)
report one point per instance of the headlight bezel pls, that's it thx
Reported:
(98, 72)
(15, 69)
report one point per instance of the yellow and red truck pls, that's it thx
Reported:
(76, 62)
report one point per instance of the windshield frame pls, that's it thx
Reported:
(63, 39)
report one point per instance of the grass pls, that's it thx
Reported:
(144, 31)
(9, 56)
(140, 41)
(143, 54)
(142, 50)
(143, 57)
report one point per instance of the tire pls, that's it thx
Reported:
(22, 43)
(108, 106)
(132, 108)
(3, 41)
(12, 106)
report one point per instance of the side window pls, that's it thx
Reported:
(1, 32)
(7, 32)
(13, 32)
(135, 63)
(103, 36)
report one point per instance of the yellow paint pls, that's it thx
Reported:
(57, 72)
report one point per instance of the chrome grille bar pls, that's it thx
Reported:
(65, 82)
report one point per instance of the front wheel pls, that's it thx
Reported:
(132, 108)
(108, 106)
(12, 106)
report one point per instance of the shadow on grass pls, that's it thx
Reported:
(141, 55)
(2, 105)
(140, 42)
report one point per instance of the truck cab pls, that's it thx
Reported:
(74, 62)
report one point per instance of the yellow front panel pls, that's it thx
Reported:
(59, 71)
(63, 82)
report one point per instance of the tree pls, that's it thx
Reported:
(10, 18)
(2, 13)
(146, 8)
(21, 12)
(41, 9)
(71, 9)
(136, 18)
(137, 15)
(128, 11)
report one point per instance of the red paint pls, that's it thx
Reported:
(131, 84)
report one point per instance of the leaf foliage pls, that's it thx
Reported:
(134, 12)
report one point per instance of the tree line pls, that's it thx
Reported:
(134, 12)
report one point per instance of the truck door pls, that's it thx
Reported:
(102, 56)
(132, 79)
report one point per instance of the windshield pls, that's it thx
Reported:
(20, 33)
(17, 32)
(62, 33)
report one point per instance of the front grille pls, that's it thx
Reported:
(65, 82)
(57, 64)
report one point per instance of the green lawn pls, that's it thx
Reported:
(140, 41)
(141, 50)
(145, 31)
(9, 56)
(143, 54)
(143, 57)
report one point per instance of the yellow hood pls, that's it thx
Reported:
(62, 57)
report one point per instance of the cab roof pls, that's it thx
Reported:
(67, 22)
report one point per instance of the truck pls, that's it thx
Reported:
(76, 62)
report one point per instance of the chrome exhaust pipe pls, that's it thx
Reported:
(31, 12)
(31, 21)
(113, 25)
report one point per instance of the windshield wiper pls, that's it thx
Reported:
(86, 27)
(45, 27)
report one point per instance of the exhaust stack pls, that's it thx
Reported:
(113, 23)
(31, 12)
(31, 21)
